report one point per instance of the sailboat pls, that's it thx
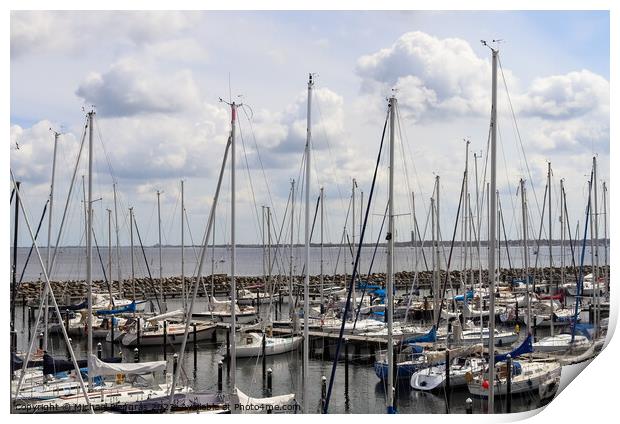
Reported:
(461, 366)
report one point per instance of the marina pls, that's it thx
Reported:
(314, 285)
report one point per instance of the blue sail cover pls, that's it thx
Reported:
(79, 306)
(460, 297)
(526, 347)
(123, 309)
(429, 337)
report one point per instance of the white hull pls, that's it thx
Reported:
(251, 345)
(156, 338)
(535, 377)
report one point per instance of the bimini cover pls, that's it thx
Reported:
(247, 404)
(103, 368)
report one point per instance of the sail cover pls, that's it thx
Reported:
(123, 309)
(103, 368)
(172, 314)
(429, 337)
(249, 404)
(526, 347)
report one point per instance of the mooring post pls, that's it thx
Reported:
(138, 334)
(228, 353)
(269, 381)
(220, 367)
(323, 393)
(469, 406)
(112, 336)
(175, 363)
(346, 365)
(508, 383)
(29, 322)
(99, 350)
(517, 311)
(136, 355)
(40, 341)
(165, 339)
(257, 301)
(69, 349)
(195, 346)
(67, 320)
(447, 381)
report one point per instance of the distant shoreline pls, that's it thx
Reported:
(427, 243)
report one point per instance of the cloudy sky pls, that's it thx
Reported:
(155, 79)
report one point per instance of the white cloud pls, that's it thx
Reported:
(127, 88)
(566, 96)
(433, 76)
(78, 32)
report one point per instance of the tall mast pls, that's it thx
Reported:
(596, 263)
(437, 261)
(213, 255)
(492, 217)
(14, 264)
(526, 265)
(268, 285)
(290, 281)
(321, 250)
(306, 408)
(605, 232)
(118, 249)
(562, 233)
(233, 250)
(161, 268)
(550, 235)
(550, 282)
(110, 248)
(133, 271)
(89, 242)
(465, 220)
(49, 237)
(353, 237)
(390, 264)
(183, 293)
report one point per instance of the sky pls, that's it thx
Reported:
(155, 80)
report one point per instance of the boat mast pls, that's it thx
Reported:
(321, 251)
(233, 250)
(465, 224)
(306, 348)
(118, 251)
(492, 217)
(49, 237)
(353, 184)
(183, 293)
(268, 285)
(562, 233)
(596, 264)
(133, 271)
(110, 249)
(605, 233)
(290, 281)
(550, 282)
(390, 264)
(433, 260)
(161, 269)
(526, 265)
(89, 242)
